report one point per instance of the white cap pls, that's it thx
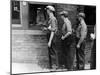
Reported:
(50, 8)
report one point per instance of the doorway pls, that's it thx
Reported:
(90, 12)
(90, 19)
(37, 16)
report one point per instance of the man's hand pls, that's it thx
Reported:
(78, 46)
(92, 36)
(49, 27)
(62, 37)
(44, 28)
(49, 44)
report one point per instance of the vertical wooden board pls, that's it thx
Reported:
(24, 14)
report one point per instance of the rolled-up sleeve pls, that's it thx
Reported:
(53, 25)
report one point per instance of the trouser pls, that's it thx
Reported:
(68, 52)
(80, 55)
(53, 54)
(93, 56)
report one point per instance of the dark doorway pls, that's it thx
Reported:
(90, 12)
(90, 19)
(37, 15)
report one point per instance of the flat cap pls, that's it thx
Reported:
(81, 14)
(50, 8)
(64, 13)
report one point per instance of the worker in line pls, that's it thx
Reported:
(51, 36)
(67, 41)
(81, 34)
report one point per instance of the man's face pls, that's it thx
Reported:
(62, 17)
(48, 11)
(79, 18)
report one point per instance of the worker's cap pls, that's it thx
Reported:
(81, 14)
(50, 8)
(65, 13)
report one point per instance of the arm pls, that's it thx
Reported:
(51, 37)
(52, 29)
(68, 25)
(83, 34)
(53, 26)
(67, 34)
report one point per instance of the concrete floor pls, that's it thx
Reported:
(27, 68)
(33, 68)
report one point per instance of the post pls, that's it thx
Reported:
(24, 14)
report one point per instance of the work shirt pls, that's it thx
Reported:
(52, 23)
(67, 27)
(52, 27)
(81, 31)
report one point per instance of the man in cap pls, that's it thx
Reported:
(67, 41)
(51, 36)
(81, 34)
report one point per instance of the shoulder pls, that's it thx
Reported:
(84, 27)
(83, 24)
(53, 19)
(67, 22)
